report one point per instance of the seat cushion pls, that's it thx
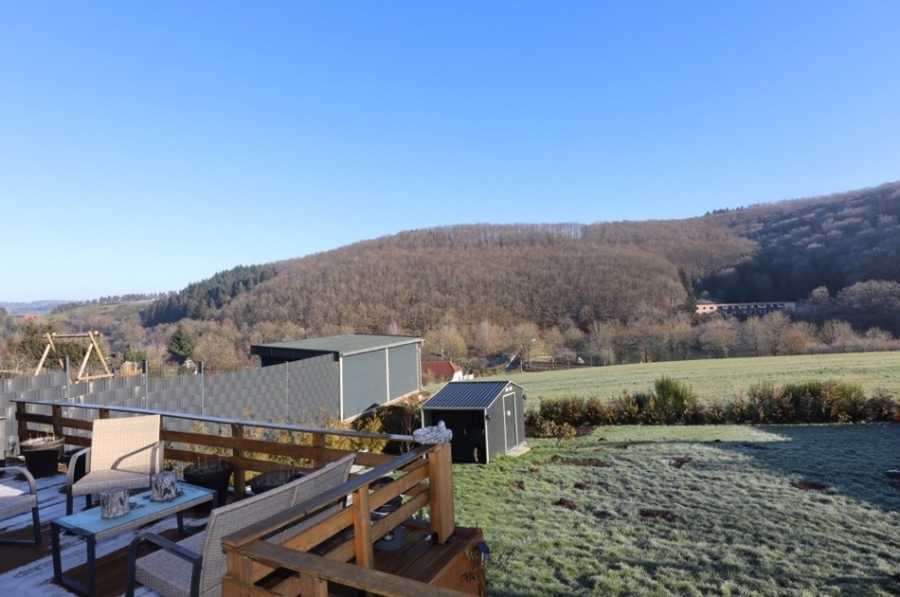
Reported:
(12, 505)
(168, 574)
(96, 481)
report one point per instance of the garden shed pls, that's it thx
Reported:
(487, 418)
(346, 375)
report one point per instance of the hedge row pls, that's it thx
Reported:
(673, 402)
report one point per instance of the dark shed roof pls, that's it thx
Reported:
(466, 395)
(339, 345)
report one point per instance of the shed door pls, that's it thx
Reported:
(511, 416)
(468, 443)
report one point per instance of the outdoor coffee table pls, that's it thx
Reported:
(93, 527)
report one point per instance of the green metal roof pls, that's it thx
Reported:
(467, 395)
(346, 344)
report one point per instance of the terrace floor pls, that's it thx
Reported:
(30, 568)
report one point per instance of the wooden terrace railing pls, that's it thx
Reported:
(244, 442)
(422, 475)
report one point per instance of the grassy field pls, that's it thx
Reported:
(713, 378)
(694, 510)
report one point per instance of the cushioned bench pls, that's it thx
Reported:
(195, 566)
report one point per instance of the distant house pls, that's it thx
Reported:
(745, 309)
(345, 376)
(442, 370)
(183, 362)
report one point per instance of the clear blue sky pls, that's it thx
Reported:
(148, 145)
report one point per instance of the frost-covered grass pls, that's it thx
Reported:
(775, 510)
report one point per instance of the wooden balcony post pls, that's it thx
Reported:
(318, 441)
(440, 473)
(362, 528)
(237, 455)
(21, 420)
(57, 420)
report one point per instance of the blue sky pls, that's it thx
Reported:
(148, 145)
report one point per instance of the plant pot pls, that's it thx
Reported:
(211, 474)
(42, 455)
(271, 480)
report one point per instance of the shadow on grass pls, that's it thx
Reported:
(849, 459)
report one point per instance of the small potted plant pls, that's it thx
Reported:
(42, 454)
(212, 473)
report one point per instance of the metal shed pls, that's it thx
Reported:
(358, 371)
(487, 418)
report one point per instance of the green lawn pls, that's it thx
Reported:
(764, 510)
(712, 378)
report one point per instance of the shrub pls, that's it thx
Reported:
(595, 411)
(675, 401)
(844, 402)
(881, 407)
(740, 411)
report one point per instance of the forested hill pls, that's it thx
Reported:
(833, 241)
(420, 279)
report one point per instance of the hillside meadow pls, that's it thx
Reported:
(712, 379)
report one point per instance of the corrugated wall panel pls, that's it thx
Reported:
(365, 382)
(403, 368)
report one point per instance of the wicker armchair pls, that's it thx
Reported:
(13, 503)
(124, 452)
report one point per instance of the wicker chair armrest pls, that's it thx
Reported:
(171, 547)
(70, 467)
(25, 473)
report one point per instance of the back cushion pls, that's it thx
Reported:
(242, 513)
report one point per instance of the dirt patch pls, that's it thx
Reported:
(753, 447)
(893, 478)
(579, 461)
(520, 485)
(659, 514)
(809, 486)
(566, 503)
(676, 462)
(581, 485)
(621, 446)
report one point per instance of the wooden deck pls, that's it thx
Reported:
(29, 568)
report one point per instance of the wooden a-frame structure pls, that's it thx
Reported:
(92, 345)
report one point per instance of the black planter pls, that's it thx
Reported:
(271, 480)
(211, 474)
(42, 455)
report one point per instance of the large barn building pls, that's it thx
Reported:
(349, 374)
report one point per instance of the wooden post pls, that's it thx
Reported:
(440, 473)
(58, 419)
(237, 452)
(318, 441)
(362, 528)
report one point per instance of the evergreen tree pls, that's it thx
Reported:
(181, 343)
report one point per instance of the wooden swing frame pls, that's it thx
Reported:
(92, 345)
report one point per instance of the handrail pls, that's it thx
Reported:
(314, 569)
(218, 420)
(303, 509)
(247, 453)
